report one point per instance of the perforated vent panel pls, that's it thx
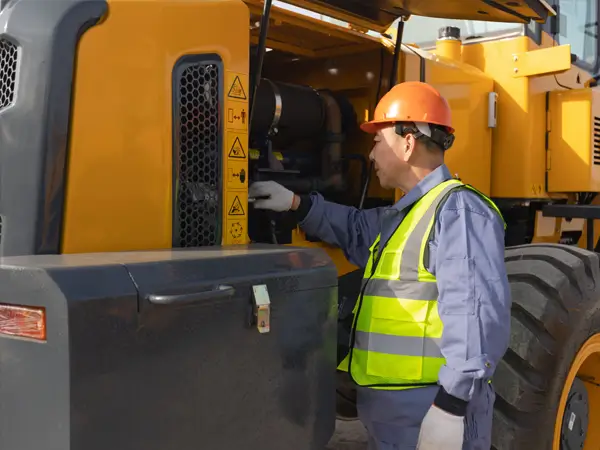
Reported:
(8, 72)
(198, 198)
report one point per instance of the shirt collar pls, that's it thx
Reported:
(439, 175)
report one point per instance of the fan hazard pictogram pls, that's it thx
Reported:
(236, 230)
(237, 90)
(236, 208)
(237, 149)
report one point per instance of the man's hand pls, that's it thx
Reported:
(279, 198)
(441, 431)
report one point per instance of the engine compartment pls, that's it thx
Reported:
(305, 135)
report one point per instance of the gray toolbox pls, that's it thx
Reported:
(205, 349)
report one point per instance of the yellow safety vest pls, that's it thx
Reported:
(396, 332)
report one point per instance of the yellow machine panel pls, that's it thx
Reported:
(467, 90)
(521, 120)
(574, 141)
(123, 181)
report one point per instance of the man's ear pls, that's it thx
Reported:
(409, 146)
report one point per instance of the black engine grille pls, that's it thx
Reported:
(197, 159)
(8, 72)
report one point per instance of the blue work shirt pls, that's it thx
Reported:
(466, 255)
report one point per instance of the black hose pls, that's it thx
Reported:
(260, 54)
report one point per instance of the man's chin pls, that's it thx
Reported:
(383, 183)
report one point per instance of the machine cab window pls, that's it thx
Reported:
(578, 26)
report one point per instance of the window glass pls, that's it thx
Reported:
(423, 31)
(578, 26)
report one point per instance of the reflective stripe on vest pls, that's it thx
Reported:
(397, 329)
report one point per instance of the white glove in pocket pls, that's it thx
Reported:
(441, 431)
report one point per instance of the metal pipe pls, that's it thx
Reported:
(260, 53)
(397, 49)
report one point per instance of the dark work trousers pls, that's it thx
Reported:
(393, 418)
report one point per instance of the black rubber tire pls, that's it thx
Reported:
(555, 293)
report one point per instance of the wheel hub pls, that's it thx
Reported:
(575, 418)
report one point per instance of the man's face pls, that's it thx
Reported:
(390, 157)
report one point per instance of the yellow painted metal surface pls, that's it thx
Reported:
(518, 143)
(573, 155)
(543, 61)
(466, 88)
(336, 254)
(119, 185)
(449, 48)
(546, 229)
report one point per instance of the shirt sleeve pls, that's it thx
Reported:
(351, 229)
(474, 295)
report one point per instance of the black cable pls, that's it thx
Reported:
(561, 85)
(367, 180)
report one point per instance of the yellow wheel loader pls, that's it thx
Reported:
(144, 303)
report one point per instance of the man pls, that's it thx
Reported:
(433, 316)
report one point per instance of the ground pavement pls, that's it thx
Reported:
(349, 435)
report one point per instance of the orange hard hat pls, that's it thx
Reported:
(411, 101)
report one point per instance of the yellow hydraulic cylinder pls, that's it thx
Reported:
(448, 44)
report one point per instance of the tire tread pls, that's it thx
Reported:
(551, 284)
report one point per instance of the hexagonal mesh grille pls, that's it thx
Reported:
(8, 72)
(198, 147)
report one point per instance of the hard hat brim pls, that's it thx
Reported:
(373, 126)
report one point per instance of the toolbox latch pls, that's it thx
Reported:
(262, 308)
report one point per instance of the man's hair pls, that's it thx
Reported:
(428, 143)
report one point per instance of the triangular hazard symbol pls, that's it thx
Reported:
(237, 90)
(237, 151)
(236, 208)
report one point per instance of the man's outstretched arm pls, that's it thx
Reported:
(346, 227)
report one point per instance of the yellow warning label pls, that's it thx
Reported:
(235, 232)
(236, 146)
(237, 149)
(236, 208)
(237, 90)
(237, 85)
(237, 175)
(237, 116)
